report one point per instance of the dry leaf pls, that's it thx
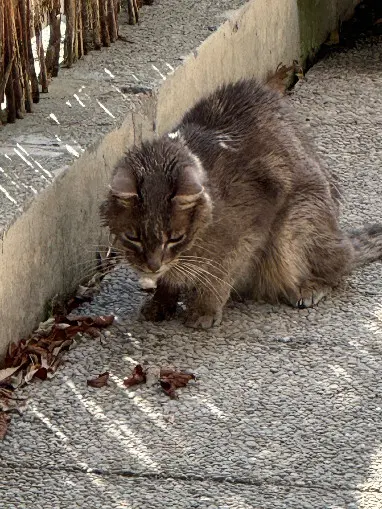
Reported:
(8, 372)
(41, 373)
(93, 321)
(45, 327)
(298, 70)
(138, 376)
(11, 404)
(99, 381)
(30, 373)
(16, 379)
(279, 80)
(93, 332)
(41, 354)
(171, 380)
(4, 421)
(60, 345)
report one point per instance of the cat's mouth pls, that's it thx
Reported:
(147, 284)
(148, 281)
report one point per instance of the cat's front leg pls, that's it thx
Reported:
(205, 308)
(162, 305)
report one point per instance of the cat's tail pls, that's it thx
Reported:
(367, 245)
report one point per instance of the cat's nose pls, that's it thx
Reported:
(154, 264)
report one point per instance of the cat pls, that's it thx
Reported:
(233, 200)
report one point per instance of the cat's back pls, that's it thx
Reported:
(234, 106)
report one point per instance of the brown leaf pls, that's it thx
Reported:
(16, 379)
(33, 348)
(99, 381)
(53, 367)
(31, 371)
(4, 421)
(168, 388)
(16, 355)
(138, 376)
(8, 372)
(10, 404)
(40, 355)
(177, 378)
(93, 332)
(171, 380)
(41, 373)
(279, 79)
(60, 345)
(94, 321)
(45, 328)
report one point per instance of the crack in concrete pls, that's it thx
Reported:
(217, 479)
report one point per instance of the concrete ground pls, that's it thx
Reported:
(287, 410)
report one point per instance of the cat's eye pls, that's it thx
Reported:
(175, 240)
(131, 238)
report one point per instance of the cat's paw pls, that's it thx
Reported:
(309, 297)
(155, 311)
(199, 321)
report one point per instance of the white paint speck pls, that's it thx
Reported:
(158, 71)
(10, 198)
(109, 73)
(105, 109)
(22, 148)
(79, 100)
(42, 168)
(23, 158)
(72, 151)
(53, 117)
(9, 178)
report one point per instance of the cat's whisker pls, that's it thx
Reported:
(85, 279)
(98, 251)
(100, 273)
(188, 275)
(196, 267)
(105, 246)
(203, 248)
(202, 278)
(208, 261)
(178, 270)
(94, 262)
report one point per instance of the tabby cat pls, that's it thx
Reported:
(233, 200)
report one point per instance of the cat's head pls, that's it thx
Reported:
(157, 205)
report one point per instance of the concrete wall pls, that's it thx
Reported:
(252, 43)
(42, 252)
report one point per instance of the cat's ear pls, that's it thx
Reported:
(123, 185)
(189, 187)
